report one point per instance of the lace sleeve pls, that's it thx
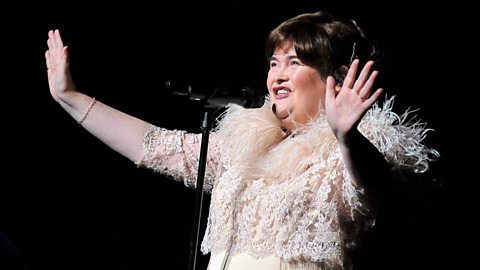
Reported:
(355, 200)
(356, 212)
(175, 153)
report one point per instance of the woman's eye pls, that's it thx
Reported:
(295, 62)
(273, 64)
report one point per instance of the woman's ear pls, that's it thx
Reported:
(339, 75)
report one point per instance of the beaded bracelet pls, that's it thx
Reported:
(87, 111)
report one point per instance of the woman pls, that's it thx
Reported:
(293, 184)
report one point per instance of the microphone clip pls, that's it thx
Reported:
(246, 97)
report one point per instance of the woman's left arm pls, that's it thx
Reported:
(344, 110)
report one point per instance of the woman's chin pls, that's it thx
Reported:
(281, 113)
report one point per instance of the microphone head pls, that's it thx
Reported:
(246, 97)
(178, 89)
(254, 98)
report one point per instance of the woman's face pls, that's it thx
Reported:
(297, 91)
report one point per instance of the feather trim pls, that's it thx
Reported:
(261, 148)
(250, 132)
(398, 137)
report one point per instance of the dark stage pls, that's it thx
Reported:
(67, 201)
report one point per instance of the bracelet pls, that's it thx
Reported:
(87, 111)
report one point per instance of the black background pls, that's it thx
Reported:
(68, 202)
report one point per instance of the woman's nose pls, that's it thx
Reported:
(281, 76)
(281, 79)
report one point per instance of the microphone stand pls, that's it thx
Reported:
(248, 98)
(199, 192)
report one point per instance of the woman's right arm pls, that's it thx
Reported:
(121, 132)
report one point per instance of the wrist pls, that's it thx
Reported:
(68, 98)
(348, 137)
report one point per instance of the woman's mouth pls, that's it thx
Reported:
(281, 92)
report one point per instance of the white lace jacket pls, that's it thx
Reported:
(288, 196)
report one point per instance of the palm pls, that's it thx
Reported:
(345, 109)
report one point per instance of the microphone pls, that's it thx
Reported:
(246, 97)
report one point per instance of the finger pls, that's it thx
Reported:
(49, 55)
(369, 102)
(65, 55)
(352, 72)
(47, 59)
(367, 88)
(52, 49)
(50, 42)
(55, 46)
(58, 39)
(359, 83)
(330, 90)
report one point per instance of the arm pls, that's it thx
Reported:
(344, 110)
(122, 132)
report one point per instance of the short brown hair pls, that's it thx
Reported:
(322, 42)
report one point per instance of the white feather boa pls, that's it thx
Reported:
(252, 133)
